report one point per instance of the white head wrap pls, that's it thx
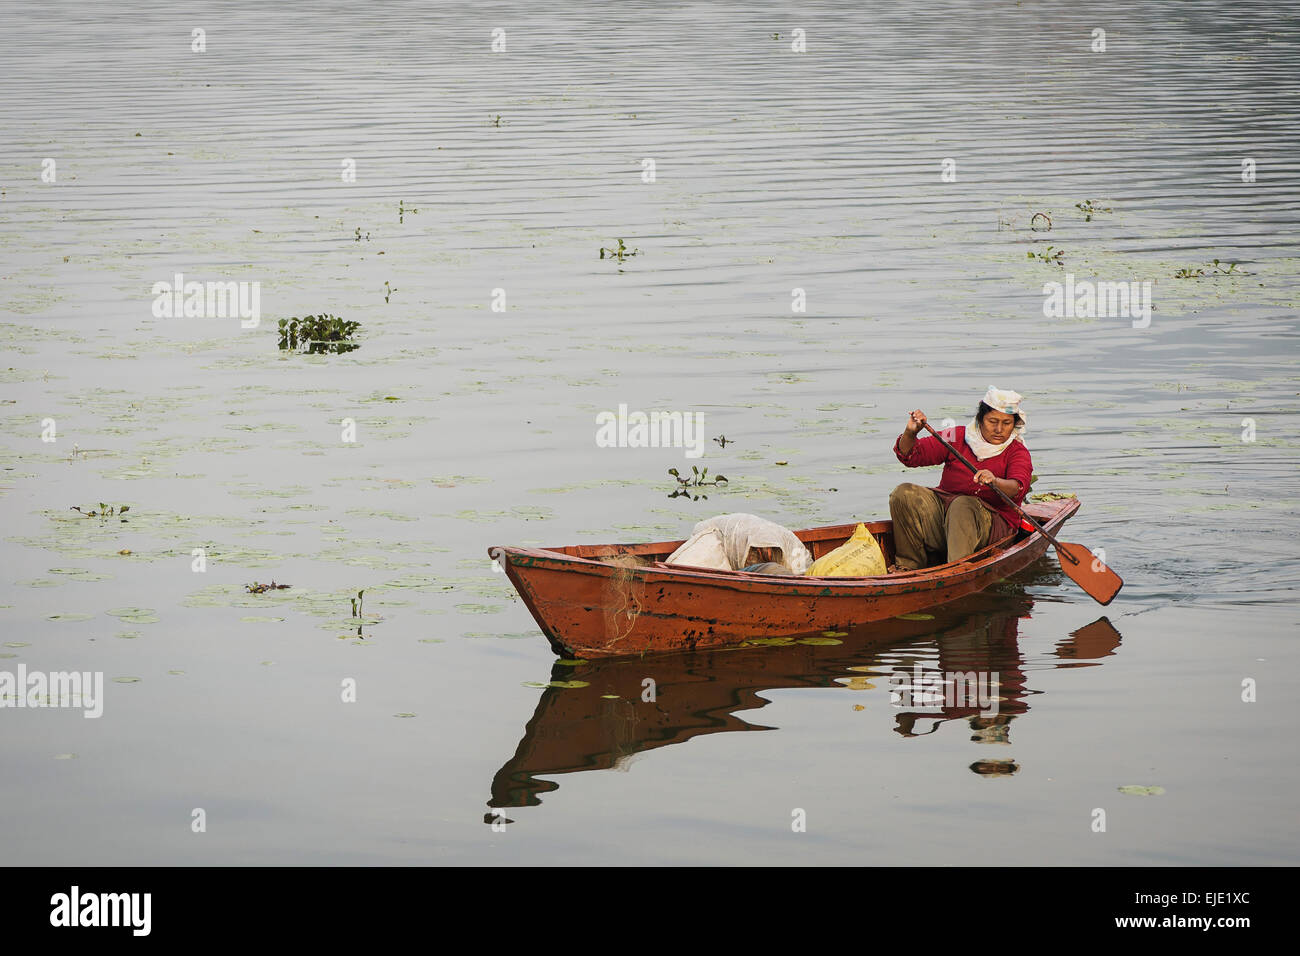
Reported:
(1001, 400)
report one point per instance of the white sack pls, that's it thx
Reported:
(702, 550)
(740, 532)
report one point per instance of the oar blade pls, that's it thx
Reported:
(1088, 571)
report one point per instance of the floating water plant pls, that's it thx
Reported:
(256, 588)
(357, 602)
(359, 236)
(402, 210)
(1216, 269)
(697, 479)
(724, 441)
(105, 511)
(620, 253)
(1057, 257)
(388, 291)
(318, 333)
(1089, 209)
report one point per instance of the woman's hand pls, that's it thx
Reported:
(914, 423)
(984, 477)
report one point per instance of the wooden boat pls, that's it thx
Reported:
(609, 600)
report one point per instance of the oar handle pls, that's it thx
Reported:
(1004, 496)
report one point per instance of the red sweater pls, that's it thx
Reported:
(957, 479)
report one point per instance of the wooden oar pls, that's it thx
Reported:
(1077, 561)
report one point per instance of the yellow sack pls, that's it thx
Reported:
(859, 557)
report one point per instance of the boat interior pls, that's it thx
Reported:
(819, 541)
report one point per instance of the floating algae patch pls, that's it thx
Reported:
(487, 585)
(136, 615)
(233, 595)
(522, 512)
(291, 491)
(377, 513)
(451, 481)
(589, 485)
(417, 581)
(82, 574)
(382, 562)
(479, 608)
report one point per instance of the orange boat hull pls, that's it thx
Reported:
(596, 601)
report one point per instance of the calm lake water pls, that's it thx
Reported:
(739, 169)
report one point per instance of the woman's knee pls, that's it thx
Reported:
(906, 493)
(967, 511)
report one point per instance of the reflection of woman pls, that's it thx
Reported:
(964, 514)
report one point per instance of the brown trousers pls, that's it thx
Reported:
(925, 533)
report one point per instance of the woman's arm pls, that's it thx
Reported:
(918, 452)
(908, 438)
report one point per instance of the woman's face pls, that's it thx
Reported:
(997, 427)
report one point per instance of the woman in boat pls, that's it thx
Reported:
(964, 514)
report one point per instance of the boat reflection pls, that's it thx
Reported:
(960, 662)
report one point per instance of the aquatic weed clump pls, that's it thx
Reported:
(318, 333)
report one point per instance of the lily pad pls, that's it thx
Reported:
(126, 680)
(136, 615)
(1139, 791)
(478, 608)
(770, 642)
(567, 684)
(835, 633)
(564, 662)
(18, 644)
(67, 616)
(81, 574)
(915, 617)
(820, 641)
(256, 619)
(404, 714)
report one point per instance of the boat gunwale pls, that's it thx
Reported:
(935, 576)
